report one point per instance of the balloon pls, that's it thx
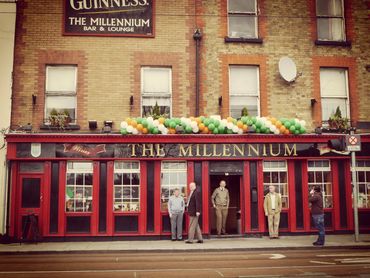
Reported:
(155, 130)
(258, 124)
(124, 131)
(211, 126)
(173, 124)
(292, 128)
(215, 130)
(188, 129)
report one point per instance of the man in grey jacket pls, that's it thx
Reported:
(176, 207)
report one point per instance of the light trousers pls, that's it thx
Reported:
(176, 225)
(273, 221)
(194, 229)
(221, 217)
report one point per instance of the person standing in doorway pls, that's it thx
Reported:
(317, 212)
(176, 208)
(194, 208)
(221, 200)
(272, 206)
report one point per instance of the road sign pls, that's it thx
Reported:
(353, 143)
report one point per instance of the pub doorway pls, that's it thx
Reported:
(233, 184)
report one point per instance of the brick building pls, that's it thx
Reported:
(102, 69)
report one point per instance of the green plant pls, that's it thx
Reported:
(336, 121)
(244, 112)
(59, 119)
(156, 112)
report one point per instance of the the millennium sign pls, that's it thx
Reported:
(109, 18)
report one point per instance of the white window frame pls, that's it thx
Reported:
(247, 14)
(169, 69)
(279, 169)
(365, 198)
(171, 186)
(118, 170)
(343, 18)
(60, 93)
(258, 95)
(321, 169)
(89, 170)
(346, 98)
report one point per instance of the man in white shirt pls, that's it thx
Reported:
(176, 208)
(272, 206)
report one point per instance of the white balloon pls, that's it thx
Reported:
(224, 121)
(196, 129)
(277, 131)
(193, 124)
(150, 119)
(135, 131)
(156, 123)
(272, 128)
(303, 123)
(124, 124)
(130, 129)
(235, 129)
(240, 131)
(230, 125)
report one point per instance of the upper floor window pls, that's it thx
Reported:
(242, 18)
(330, 20)
(61, 91)
(156, 89)
(244, 90)
(334, 92)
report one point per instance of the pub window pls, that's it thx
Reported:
(363, 181)
(330, 20)
(156, 89)
(79, 189)
(334, 92)
(173, 175)
(319, 173)
(243, 19)
(126, 186)
(276, 173)
(244, 90)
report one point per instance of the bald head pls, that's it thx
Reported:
(192, 186)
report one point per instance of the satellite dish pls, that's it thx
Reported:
(287, 69)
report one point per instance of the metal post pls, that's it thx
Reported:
(355, 193)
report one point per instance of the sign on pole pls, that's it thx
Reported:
(353, 143)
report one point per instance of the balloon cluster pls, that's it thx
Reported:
(213, 125)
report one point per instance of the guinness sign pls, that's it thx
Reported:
(109, 18)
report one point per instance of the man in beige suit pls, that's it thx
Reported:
(220, 201)
(272, 207)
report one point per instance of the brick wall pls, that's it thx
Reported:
(109, 67)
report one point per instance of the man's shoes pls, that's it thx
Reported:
(200, 241)
(318, 244)
(188, 242)
(179, 239)
(271, 237)
(276, 237)
(174, 239)
(224, 233)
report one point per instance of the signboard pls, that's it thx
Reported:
(353, 143)
(109, 18)
(180, 150)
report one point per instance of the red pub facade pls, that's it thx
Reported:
(100, 185)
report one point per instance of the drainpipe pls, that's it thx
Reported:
(197, 36)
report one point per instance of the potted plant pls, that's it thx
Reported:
(59, 119)
(156, 112)
(244, 112)
(337, 122)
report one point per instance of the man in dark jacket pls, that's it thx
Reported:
(194, 209)
(317, 212)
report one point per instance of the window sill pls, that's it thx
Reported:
(333, 43)
(69, 127)
(244, 40)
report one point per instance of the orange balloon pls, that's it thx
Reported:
(230, 119)
(201, 126)
(205, 130)
(278, 124)
(273, 120)
(133, 123)
(239, 124)
(282, 129)
(139, 127)
(286, 131)
(161, 120)
(245, 128)
(145, 130)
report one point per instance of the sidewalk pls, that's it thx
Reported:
(214, 244)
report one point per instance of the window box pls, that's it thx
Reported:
(46, 126)
(244, 40)
(334, 43)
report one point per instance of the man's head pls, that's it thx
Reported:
(192, 186)
(272, 189)
(317, 188)
(223, 183)
(176, 192)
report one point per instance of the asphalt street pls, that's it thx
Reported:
(318, 262)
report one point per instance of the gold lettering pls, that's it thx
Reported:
(186, 151)
(271, 149)
(160, 150)
(215, 150)
(264, 150)
(239, 149)
(255, 150)
(289, 152)
(197, 150)
(133, 149)
(150, 148)
(205, 151)
(226, 150)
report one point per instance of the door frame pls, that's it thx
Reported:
(20, 212)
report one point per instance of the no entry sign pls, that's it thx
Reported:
(353, 143)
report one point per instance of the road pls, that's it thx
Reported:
(313, 263)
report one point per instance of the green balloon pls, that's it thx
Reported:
(302, 130)
(244, 119)
(188, 129)
(172, 124)
(292, 128)
(215, 131)
(287, 124)
(229, 131)
(144, 122)
(217, 123)
(124, 131)
(258, 124)
(155, 130)
(167, 122)
(258, 130)
(139, 120)
(206, 122)
(296, 131)
(254, 120)
(211, 126)
(263, 129)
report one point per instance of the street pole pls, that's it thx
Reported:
(355, 192)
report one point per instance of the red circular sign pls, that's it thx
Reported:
(352, 140)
